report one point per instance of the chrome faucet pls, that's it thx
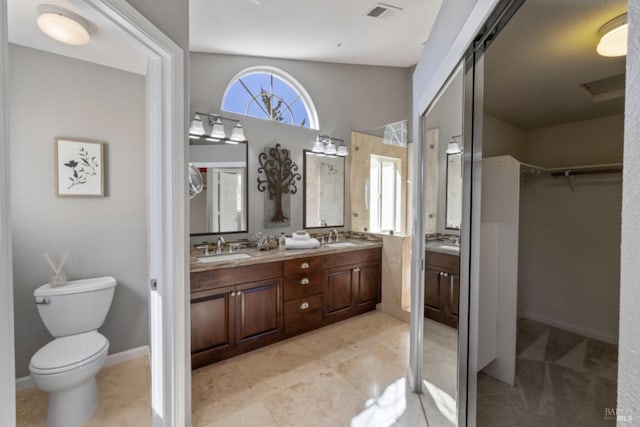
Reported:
(333, 230)
(219, 243)
(205, 247)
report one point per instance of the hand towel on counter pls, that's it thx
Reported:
(300, 235)
(292, 243)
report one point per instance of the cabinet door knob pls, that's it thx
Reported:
(356, 269)
(445, 274)
(233, 294)
(304, 265)
(304, 281)
(238, 293)
(304, 306)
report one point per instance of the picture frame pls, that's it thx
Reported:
(79, 168)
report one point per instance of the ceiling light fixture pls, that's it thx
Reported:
(613, 37)
(63, 25)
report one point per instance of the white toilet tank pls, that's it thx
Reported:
(76, 307)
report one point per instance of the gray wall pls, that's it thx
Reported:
(346, 97)
(107, 236)
(629, 344)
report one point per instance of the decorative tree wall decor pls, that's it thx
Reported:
(279, 181)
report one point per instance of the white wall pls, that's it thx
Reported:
(629, 341)
(500, 138)
(347, 97)
(597, 141)
(107, 236)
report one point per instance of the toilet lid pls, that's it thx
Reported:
(70, 350)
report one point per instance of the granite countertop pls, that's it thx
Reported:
(443, 247)
(260, 257)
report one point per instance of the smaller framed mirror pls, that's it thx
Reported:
(222, 205)
(454, 192)
(323, 190)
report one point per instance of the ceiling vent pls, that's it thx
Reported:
(605, 89)
(383, 11)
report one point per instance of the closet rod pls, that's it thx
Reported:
(570, 172)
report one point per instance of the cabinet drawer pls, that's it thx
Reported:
(234, 275)
(443, 262)
(303, 314)
(307, 265)
(302, 285)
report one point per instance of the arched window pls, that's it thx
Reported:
(270, 94)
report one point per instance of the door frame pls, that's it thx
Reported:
(166, 214)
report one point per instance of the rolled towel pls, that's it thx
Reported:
(292, 243)
(300, 235)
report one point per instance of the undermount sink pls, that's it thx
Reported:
(223, 257)
(340, 244)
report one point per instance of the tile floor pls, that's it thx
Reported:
(562, 379)
(350, 373)
(124, 392)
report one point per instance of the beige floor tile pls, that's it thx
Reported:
(219, 390)
(324, 399)
(252, 416)
(373, 371)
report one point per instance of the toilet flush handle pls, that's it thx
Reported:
(44, 301)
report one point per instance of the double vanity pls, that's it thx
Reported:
(248, 299)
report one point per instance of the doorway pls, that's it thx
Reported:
(166, 208)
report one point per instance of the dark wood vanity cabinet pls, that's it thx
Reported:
(231, 315)
(228, 320)
(351, 283)
(442, 288)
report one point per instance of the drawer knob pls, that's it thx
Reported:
(304, 265)
(304, 281)
(304, 306)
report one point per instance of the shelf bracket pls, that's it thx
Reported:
(572, 183)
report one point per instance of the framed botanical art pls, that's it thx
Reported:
(79, 168)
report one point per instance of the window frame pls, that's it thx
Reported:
(286, 78)
(397, 193)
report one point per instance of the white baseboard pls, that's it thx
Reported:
(24, 383)
(590, 333)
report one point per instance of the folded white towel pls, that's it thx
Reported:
(301, 244)
(300, 235)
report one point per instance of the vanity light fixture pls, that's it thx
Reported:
(237, 134)
(324, 145)
(217, 131)
(63, 25)
(453, 147)
(613, 37)
(198, 130)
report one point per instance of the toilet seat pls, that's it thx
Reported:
(68, 353)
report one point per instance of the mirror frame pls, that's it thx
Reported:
(246, 201)
(304, 190)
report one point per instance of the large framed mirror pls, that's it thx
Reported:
(222, 205)
(323, 190)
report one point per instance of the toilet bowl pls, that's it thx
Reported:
(66, 367)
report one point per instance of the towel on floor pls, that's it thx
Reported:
(300, 235)
(292, 243)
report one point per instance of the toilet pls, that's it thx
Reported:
(66, 367)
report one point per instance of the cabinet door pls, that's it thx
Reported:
(454, 299)
(434, 295)
(212, 320)
(368, 292)
(258, 309)
(338, 290)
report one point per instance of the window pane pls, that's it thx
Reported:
(388, 197)
(267, 95)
